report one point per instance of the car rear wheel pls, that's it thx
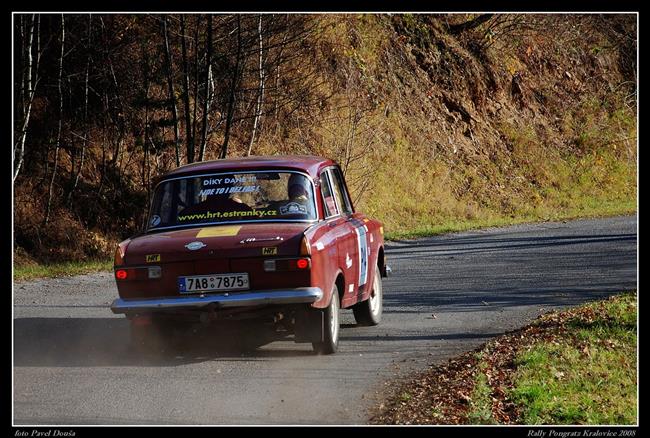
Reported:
(369, 312)
(331, 326)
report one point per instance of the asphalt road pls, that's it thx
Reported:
(447, 295)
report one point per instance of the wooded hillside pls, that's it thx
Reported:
(434, 118)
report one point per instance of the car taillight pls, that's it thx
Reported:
(138, 273)
(280, 265)
(298, 264)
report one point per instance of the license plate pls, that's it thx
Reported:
(212, 283)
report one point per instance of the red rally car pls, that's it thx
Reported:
(264, 238)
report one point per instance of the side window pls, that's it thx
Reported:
(339, 191)
(166, 205)
(328, 196)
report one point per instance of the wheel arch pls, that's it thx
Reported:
(381, 261)
(339, 281)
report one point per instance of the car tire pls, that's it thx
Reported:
(369, 312)
(331, 326)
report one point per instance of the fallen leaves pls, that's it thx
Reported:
(437, 396)
(443, 393)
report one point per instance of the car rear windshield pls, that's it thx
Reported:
(272, 196)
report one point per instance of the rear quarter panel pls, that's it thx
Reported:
(375, 242)
(324, 259)
(326, 263)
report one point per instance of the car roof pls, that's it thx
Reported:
(307, 163)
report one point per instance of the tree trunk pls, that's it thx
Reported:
(27, 98)
(145, 134)
(276, 108)
(170, 87)
(58, 135)
(260, 91)
(186, 95)
(84, 145)
(207, 97)
(471, 24)
(196, 83)
(233, 86)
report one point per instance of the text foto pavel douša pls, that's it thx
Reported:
(45, 433)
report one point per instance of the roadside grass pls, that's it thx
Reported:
(597, 185)
(595, 209)
(63, 269)
(585, 376)
(577, 366)
(532, 183)
(480, 411)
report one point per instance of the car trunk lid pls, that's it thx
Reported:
(212, 243)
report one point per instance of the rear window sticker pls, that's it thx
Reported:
(221, 231)
(293, 207)
(155, 220)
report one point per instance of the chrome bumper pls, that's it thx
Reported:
(224, 300)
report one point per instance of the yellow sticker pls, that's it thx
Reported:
(221, 231)
(366, 220)
(272, 250)
(152, 258)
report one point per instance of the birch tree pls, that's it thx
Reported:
(206, 90)
(170, 88)
(233, 88)
(29, 81)
(86, 120)
(186, 94)
(60, 125)
(260, 90)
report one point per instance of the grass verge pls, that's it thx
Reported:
(602, 210)
(585, 376)
(578, 366)
(33, 271)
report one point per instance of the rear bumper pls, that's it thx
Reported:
(303, 295)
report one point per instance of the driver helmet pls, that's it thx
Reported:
(298, 187)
